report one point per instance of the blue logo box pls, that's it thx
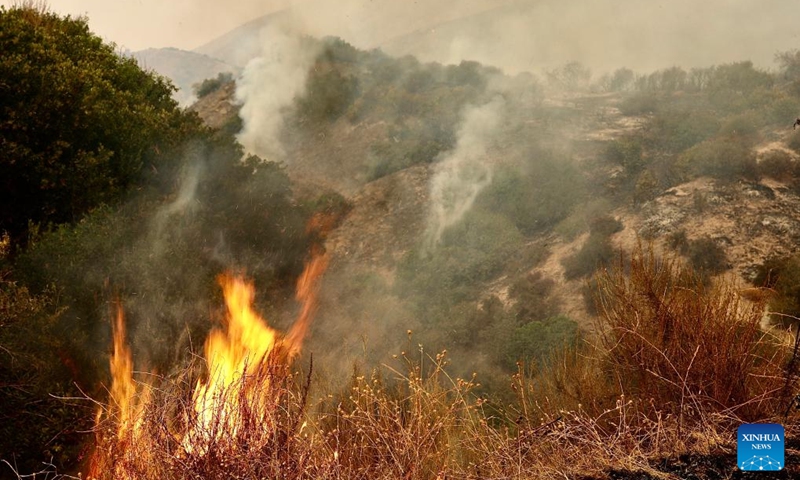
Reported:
(760, 447)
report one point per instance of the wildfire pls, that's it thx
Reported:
(125, 407)
(240, 358)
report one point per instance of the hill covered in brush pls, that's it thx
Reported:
(597, 244)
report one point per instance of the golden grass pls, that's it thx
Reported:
(677, 367)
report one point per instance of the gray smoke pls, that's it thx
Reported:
(464, 171)
(269, 85)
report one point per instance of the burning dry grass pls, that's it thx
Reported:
(677, 368)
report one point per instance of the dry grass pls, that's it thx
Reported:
(677, 368)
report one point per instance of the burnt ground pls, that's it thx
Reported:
(721, 466)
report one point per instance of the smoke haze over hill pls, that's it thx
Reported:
(514, 35)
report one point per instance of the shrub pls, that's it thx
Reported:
(678, 241)
(707, 256)
(689, 348)
(595, 253)
(782, 275)
(626, 152)
(536, 341)
(37, 371)
(328, 95)
(639, 104)
(535, 199)
(722, 158)
(778, 164)
(83, 126)
(211, 85)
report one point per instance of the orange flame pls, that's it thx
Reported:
(123, 390)
(124, 407)
(238, 357)
(241, 349)
(306, 294)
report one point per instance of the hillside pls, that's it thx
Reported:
(184, 69)
(749, 219)
(346, 264)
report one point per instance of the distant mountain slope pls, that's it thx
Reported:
(240, 45)
(182, 67)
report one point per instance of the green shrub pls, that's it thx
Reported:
(595, 253)
(626, 152)
(639, 104)
(537, 340)
(38, 371)
(535, 199)
(723, 158)
(605, 225)
(211, 85)
(83, 126)
(681, 126)
(328, 95)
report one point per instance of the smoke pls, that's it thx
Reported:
(463, 172)
(268, 86)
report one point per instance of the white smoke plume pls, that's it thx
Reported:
(268, 86)
(464, 171)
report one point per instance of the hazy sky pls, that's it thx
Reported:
(140, 24)
(523, 35)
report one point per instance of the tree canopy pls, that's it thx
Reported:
(79, 124)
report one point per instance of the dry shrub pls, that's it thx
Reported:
(675, 367)
(261, 438)
(689, 347)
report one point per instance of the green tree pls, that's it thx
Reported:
(79, 124)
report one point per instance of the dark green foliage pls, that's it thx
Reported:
(572, 76)
(533, 296)
(536, 341)
(626, 152)
(707, 256)
(163, 258)
(724, 158)
(667, 80)
(211, 85)
(595, 253)
(678, 241)
(681, 126)
(789, 63)
(537, 198)
(36, 368)
(82, 126)
(328, 95)
(409, 144)
(621, 80)
(471, 252)
(605, 226)
(646, 188)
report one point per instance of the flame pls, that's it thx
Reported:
(123, 390)
(126, 405)
(306, 294)
(239, 357)
(232, 354)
